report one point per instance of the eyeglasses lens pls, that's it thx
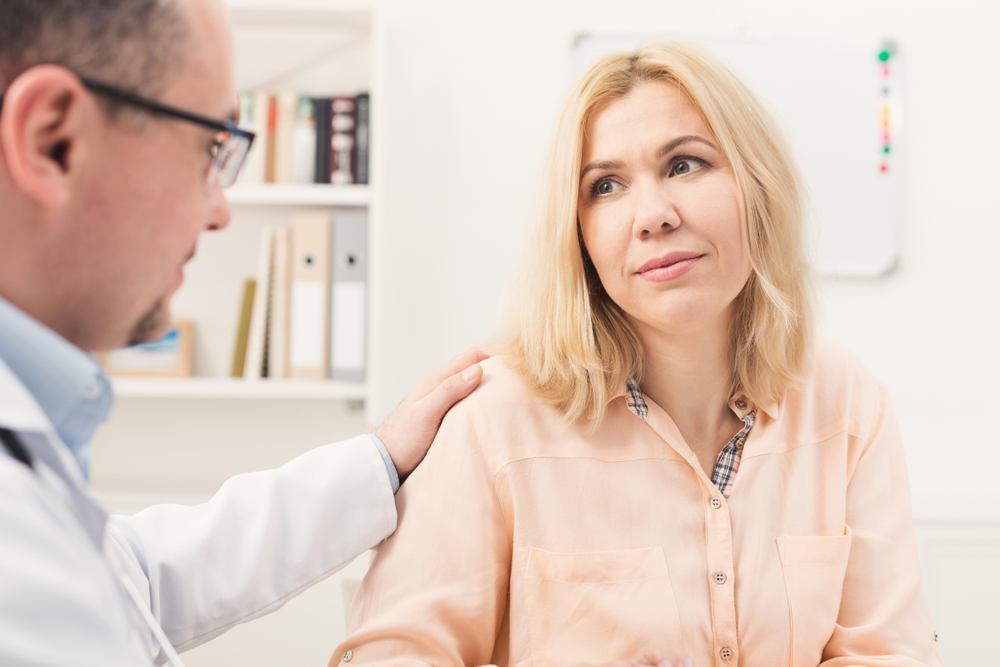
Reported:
(229, 159)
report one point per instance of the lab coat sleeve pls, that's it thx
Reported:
(262, 539)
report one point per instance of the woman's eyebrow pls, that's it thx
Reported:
(670, 146)
(600, 165)
(667, 148)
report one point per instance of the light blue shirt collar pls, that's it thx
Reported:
(68, 383)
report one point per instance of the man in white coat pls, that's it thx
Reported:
(114, 147)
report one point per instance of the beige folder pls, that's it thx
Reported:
(310, 296)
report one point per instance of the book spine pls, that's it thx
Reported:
(342, 140)
(362, 138)
(272, 124)
(243, 329)
(277, 327)
(257, 160)
(257, 341)
(284, 168)
(304, 153)
(322, 159)
(246, 122)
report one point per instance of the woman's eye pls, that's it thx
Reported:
(606, 187)
(686, 166)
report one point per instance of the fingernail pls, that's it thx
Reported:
(469, 373)
(688, 662)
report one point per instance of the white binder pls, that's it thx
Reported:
(308, 345)
(349, 296)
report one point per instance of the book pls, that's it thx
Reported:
(257, 340)
(281, 284)
(270, 160)
(362, 135)
(310, 300)
(284, 140)
(243, 328)
(321, 169)
(304, 149)
(342, 140)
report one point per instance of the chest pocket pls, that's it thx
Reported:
(813, 568)
(598, 607)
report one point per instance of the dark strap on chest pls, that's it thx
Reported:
(14, 446)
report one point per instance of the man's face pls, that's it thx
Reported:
(148, 199)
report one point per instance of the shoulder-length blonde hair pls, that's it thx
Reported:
(571, 343)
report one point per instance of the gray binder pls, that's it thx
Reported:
(349, 296)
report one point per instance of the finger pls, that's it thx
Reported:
(471, 356)
(451, 391)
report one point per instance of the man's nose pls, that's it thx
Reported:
(219, 213)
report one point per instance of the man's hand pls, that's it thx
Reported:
(408, 432)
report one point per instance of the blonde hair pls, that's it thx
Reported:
(570, 342)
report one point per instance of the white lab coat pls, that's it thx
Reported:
(263, 538)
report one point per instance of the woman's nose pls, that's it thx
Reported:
(654, 211)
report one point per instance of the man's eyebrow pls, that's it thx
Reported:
(666, 149)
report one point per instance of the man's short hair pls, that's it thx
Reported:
(134, 44)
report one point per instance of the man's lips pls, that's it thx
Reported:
(668, 260)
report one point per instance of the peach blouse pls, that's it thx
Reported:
(526, 540)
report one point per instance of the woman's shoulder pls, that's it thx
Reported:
(840, 393)
(508, 419)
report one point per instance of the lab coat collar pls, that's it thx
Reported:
(20, 413)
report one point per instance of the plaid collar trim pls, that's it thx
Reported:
(637, 405)
(729, 458)
(635, 400)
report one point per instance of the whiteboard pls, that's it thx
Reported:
(840, 107)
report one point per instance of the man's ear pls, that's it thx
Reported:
(46, 111)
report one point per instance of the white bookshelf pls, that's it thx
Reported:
(207, 387)
(279, 194)
(313, 47)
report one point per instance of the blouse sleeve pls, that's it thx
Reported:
(883, 617)
(436, 591)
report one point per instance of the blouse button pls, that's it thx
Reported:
(720, 577)
(716, 502)
(347, 656)
(726, 653)
(741, 404)
(740, 443)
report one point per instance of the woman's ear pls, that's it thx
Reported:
(45, 113)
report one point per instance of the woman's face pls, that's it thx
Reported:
(660, 213)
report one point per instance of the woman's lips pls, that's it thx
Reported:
(674, 265)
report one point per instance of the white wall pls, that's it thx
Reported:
(471, 92)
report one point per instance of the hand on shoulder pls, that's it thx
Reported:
(409, 431)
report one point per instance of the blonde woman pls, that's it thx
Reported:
(665, 466)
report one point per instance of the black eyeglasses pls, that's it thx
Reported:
(231, 146)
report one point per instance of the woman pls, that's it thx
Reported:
(664, 459)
